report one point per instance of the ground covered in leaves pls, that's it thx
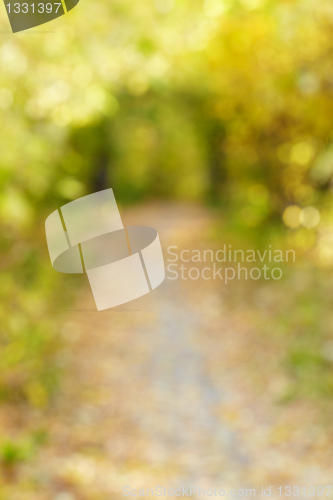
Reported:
(198, 383)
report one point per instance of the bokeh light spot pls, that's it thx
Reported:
(291, 216)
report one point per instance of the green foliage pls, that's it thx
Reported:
(12, 453)
(15, 452)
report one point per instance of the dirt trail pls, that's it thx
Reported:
(159, 392)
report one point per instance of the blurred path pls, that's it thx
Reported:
(159, 391)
